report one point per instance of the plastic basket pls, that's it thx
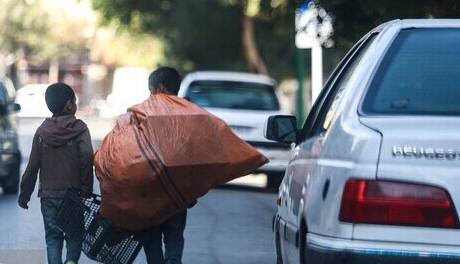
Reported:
(78, 218)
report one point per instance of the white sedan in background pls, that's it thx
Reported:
(244, 101)
(31, 97)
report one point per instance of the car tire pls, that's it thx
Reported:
(279, 258)
(302, 242)
(11, 185)
(274, 180)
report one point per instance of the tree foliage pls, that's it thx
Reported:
(24, 24)
(115, 48)
(207, 34)
(353, 18)
(42, 30)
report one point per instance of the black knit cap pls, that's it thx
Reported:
(57, 95)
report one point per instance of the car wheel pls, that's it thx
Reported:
(279, 258)
(302, 242)
(11, 185)
(274, 180)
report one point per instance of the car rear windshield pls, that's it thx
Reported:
(233, 95)
(419, 75)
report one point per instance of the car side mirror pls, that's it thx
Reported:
(14, 107)
(281, 128)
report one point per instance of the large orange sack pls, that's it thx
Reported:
(161, 156)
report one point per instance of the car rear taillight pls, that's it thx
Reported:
(396, 203)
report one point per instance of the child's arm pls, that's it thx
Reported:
(29, 178)
(86, 162)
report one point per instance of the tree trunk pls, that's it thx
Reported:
(255, 62)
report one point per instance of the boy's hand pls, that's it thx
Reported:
(23, 204)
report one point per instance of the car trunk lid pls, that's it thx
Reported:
(422, 150)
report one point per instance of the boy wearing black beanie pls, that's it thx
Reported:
(63, 154)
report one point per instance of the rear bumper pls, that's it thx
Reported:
(323, 250)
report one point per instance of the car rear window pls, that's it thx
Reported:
(419, 75)
(233, 95)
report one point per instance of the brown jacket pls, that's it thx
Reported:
(62, 152)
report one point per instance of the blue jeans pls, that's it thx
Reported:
(171, 232)
(55, 237)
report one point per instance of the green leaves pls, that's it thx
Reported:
(353, 18)
(207, 34)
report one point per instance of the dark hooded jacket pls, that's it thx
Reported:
(62, 152)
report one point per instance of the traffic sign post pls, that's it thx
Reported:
(316, 70)
(313, 34)
(300, 72)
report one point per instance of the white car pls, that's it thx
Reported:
(244, 101)
(374, 176)
(31, 98)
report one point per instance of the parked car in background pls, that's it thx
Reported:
(244, 101)
(10, 156)
(31, 97)
(374, 176)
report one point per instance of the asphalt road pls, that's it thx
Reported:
(228, 225)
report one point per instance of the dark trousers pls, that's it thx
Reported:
(171, 233)
(55, 237)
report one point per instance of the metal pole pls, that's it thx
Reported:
(316, 70)
(300, 99)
